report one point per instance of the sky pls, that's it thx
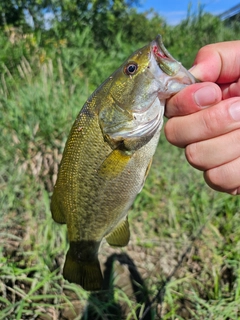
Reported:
(176, 10)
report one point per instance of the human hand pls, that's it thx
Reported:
(205, 117)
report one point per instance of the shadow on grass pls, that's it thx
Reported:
(102, 305)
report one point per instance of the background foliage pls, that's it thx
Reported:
(48, 68)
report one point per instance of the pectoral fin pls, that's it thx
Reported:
(114, 164)
(120, 236)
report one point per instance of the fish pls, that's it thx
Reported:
(108, 155)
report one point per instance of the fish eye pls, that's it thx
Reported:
(131, 68)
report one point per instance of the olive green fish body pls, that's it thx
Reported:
(90, 188)
(108, 155)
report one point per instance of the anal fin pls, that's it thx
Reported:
(120, 236)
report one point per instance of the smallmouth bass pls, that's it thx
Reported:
(108, 155)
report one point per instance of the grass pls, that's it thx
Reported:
(183, 258)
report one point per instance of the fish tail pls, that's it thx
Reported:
(85, 273)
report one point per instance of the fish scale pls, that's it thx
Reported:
(108, 155)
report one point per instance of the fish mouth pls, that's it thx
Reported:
(159, 49)
(170, 66)
(164, 59)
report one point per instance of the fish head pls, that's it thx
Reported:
(137, 93)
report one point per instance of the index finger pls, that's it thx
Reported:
(192, 99)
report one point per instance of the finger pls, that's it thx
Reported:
(205, 124)
(219, 62)
(215, 152)
(225, 178)
(231, 90)
(193, 98)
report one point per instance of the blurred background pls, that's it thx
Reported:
(183, 258)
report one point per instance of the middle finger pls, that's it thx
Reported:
(214, 152)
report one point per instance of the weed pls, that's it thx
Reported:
(162, 273)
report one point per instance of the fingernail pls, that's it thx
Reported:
(192, 68)
(205, 96)
(234, 110)
(196, 71)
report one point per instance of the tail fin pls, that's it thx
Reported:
(85, 273)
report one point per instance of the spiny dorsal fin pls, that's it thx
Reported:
(120, 236)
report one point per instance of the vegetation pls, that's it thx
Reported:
(183, 258)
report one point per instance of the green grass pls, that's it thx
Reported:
(185, 245)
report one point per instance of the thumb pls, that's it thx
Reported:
(219, 62)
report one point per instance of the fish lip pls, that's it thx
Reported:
(164, 59)
(170, 66)
(159, 50)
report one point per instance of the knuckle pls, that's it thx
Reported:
(205, 49)
(223, 178)
(170, 132)
(212, 120)
(213, 179)
(173, 106)
(192, 155)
